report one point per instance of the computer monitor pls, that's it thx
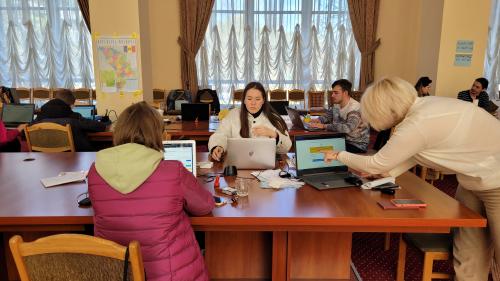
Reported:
(87, 111)
(16, 114)
(183, 151)
(193, 111)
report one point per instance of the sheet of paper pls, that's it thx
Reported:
(64, 177)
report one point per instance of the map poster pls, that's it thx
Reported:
(117, 58)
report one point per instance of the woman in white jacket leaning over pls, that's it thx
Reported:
(256, 118)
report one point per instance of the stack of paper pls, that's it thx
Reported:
(271, 179)
(65, 177)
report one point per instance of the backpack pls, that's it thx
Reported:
(209, 96)
(178, 96)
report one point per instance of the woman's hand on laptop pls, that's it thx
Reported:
(217, 153)
(330, 155)
(263, 131)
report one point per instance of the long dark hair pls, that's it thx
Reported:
(267, 110)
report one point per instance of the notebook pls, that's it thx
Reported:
(251, 153)
(310, 164)
(183, 151)
(87, 111)
(16, 114)
(64, 177)
(297, 122)
(195, 111)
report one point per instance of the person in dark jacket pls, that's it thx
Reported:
(477, 93)
(59, 111)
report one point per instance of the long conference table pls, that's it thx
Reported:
(287, 234)
(201, 131)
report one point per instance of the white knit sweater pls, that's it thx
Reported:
(445, 134)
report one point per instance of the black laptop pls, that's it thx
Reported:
(195, 111)
(297, 122)
(280, 106)
(311, 167)
(15, 114)
(87, 111)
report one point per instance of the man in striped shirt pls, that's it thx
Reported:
(477, 93)
(345, 117)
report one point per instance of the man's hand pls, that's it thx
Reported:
(263, 131)
(317, 125)
(217, 153)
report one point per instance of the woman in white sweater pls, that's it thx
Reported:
(448, 135)
(255, 118)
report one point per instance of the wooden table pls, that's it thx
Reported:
(201, 130)
(271, 234)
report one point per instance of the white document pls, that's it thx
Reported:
(271, 179)
(65, 177)
(371, 184)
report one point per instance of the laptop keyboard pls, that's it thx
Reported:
(326, 177)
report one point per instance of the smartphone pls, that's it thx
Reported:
(408, 203)
(387, 185)
(219, 201)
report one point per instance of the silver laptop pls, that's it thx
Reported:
(297, 122)
(183, 151)
(251, 153)
(311, 167)
(16, 114)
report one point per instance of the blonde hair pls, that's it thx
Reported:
(141, 124)
(385, 103)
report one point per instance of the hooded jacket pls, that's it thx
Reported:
(136, 195)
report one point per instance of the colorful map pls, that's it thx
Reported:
(118, 64)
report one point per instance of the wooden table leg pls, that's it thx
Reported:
(279, 271)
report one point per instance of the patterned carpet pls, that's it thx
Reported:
(375, 264)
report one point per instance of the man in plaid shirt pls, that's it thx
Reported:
(345, 117)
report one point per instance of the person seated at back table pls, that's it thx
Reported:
(58, 110)
(8, 138)
(136, 195)
(477, 93)
(345, 117)
(423, 86)
(255, 118)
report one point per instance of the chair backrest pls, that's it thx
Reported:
(49, 137)
(316, 99)
(158, 95)
(238, 96)
(24, 94)
(356, 95)
(75, 257)
(41, 93)
(55, 92)
(277, 94)
(83, 96)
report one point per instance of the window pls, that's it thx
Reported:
(45, 44)
(287, 44)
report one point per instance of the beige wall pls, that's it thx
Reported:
(462, 20)
(164, 20)
(398, 29)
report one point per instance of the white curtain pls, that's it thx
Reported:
(287, 44)
(491, 63)
(46, 44)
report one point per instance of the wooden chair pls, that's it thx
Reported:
(238, 96)
(75, 257)
(297, 96)
(94, 97)
(356, 95)
(49, 137)
(159, 95)
(83, 96)
(277, 94)
(435, 247)
(24, 95)
(55, 92)
(316, 102)
(40, 96)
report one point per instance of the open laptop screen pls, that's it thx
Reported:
(308, 152)
(87, 111)
(183, 151)
(17, 113)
